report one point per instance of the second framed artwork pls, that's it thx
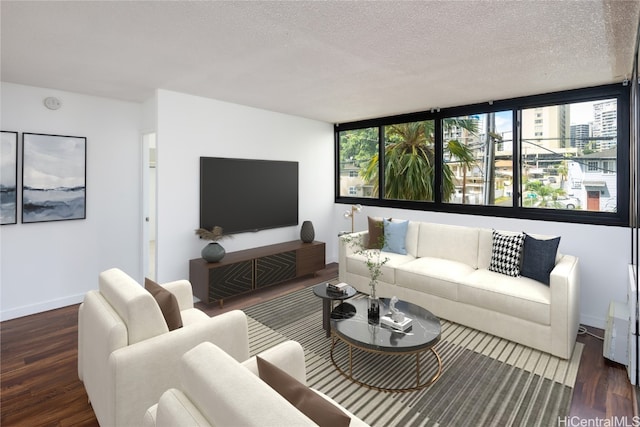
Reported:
(53, 177)
(8, 177)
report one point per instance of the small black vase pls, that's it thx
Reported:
(307, 234)
(213, 252)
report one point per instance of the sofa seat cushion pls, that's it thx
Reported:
(356, 264)
(519, 297)
(434, 276)
(193, 315)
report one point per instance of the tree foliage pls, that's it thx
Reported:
(409, 164)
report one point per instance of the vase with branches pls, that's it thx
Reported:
(374, 260)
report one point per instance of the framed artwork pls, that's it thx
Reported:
(53, 177)
(9, 178)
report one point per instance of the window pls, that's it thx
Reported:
(477, 162)
(568, 150)
(409, 155)
(539, 157)
(358, 152)
(608, 166)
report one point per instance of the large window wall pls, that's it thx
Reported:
(561, 156)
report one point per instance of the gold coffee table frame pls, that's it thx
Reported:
(419, 385)
(353, 342)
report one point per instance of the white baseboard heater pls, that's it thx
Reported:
(621, 331)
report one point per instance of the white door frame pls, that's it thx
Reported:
(148, 201)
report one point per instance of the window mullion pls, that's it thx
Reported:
(437, 160)
(381, 163)
(517, 159)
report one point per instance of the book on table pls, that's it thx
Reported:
(388, 321)
(340, 288)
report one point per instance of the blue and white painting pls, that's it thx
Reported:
(53, 177)
(8, 177)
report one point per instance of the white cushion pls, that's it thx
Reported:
(515, 296)
(413, 233)
(452, 242)
(192, 315)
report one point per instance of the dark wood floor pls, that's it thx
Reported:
(40, 386)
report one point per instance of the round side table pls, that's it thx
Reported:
(328, 298)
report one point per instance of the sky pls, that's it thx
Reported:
(53, 161)
(8, 150)
(580, 113)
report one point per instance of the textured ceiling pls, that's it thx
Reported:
(331, 61)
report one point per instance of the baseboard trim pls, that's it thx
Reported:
(596, 322)
(40, 307)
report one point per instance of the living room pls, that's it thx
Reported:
(49, 265)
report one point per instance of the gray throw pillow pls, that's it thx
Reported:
(539, 258)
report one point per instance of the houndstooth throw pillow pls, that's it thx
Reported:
(505, 253)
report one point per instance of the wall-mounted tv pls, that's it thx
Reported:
(248, 195)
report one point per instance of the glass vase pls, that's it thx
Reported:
(373, 305)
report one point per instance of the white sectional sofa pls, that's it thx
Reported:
(446, 270)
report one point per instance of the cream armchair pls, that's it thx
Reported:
(216, 390)
(127, 357)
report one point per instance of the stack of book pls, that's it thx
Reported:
(339, 289)
(387, 320)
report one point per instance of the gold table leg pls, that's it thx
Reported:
(349, 376)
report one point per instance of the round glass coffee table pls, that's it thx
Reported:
(359, 334)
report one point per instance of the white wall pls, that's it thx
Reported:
(52, 264)
(190, 127)
(604, 252)
(49, 265)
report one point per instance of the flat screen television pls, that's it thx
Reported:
(247, 195)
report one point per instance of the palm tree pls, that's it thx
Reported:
(409, 165)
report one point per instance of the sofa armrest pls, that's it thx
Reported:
(346, 248)
(288, 356)
(221, 387)
(565, 305)
(183, 292)
(100, 332)
(138, 374)
(174, 409)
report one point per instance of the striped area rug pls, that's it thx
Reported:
(485, 380)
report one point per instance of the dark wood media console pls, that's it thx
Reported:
(245, 271)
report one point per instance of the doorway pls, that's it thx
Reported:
(149, 191)
(593, 200)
